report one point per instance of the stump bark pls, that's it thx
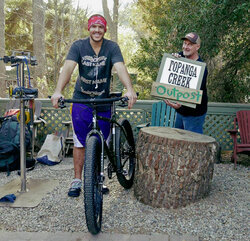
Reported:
(174, 167)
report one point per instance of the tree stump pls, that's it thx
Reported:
(174, 166)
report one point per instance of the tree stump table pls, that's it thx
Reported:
(174, 166)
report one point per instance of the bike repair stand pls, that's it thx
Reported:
(31, 192)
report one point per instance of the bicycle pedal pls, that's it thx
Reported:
(105, 190)
(110, 170)
(123, 172)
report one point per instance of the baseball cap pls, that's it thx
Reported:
(192, 37)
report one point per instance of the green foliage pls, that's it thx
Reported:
(230, 81)
(63, 25)
(157, 28)
(18, 25)
(224, 29)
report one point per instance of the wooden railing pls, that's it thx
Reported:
(219, 118)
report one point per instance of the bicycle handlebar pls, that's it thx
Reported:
(94, 102)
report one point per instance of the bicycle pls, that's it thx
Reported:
(120, 152)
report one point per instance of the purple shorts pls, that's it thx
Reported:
(82, 123)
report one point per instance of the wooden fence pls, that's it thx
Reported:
(219, 118)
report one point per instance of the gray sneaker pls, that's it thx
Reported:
(75, 189)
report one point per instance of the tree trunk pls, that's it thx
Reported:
(38, 17)
(55, 25)
(174, 167)
(112, 23)
(2, 50)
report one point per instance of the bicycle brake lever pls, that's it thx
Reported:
(61, 103)
(124, 102)
(124, 99)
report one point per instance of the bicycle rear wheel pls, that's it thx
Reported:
(125, 151)
(93, 196)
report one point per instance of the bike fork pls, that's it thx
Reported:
(102, 164)
(101, 137)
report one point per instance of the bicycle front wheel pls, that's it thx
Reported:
(125, 153)
(93, 196)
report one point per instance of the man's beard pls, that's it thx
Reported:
(186, 53)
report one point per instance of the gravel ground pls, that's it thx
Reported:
(223, 215)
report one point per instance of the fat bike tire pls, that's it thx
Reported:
(93, 195)
(125, 154)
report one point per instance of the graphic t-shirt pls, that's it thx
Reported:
(94, 70)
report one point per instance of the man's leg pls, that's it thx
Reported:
(194, 123)
(76, 184)
(81, 118)
(178, 121)
(78, 157)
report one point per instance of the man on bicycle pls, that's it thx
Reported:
(95, 57)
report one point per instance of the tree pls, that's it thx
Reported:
(112, 22)
(224, 37)
(38, 17)
(18, 26)
(227, 48)
(64, 25)
(2, 49)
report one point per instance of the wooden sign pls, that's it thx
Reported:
(180, 94)
(180, 76)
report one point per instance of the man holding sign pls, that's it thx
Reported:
(188, 118)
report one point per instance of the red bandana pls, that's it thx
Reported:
(97, 20)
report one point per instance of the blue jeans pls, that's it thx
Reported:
(190, 123)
